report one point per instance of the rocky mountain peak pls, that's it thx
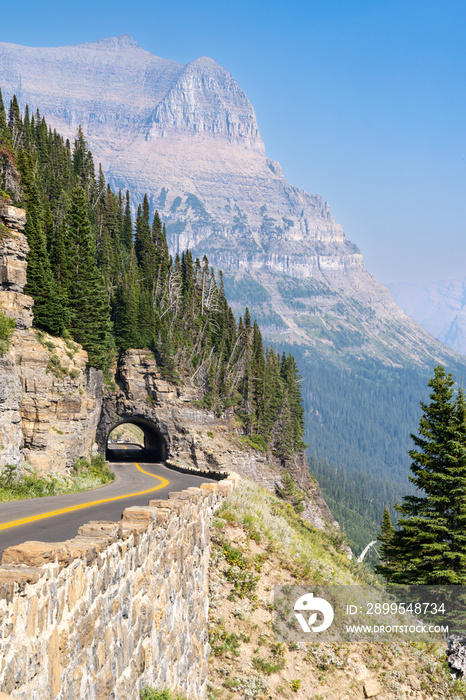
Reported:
(205, 101)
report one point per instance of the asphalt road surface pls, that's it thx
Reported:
(136, 483)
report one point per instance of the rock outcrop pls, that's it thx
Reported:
(60, 403)
(11, 430)
(13, 251)
(49, 402)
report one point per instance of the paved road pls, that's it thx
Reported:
(136, 482)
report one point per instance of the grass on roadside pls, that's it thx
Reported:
(311, 554)
(17, 484)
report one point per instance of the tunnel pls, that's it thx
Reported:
(129, 449)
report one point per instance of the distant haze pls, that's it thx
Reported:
(440, 307)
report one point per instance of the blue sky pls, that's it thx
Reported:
(361, 101)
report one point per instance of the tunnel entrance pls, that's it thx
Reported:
(135, 439)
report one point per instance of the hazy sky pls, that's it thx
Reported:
(361, 101)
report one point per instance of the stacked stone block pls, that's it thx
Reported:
(118, 607)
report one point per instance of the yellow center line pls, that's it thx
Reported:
(69, 509)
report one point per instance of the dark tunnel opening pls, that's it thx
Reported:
(145, 443)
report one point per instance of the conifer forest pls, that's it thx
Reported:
(110, 284)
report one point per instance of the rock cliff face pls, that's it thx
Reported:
(13, 250)
(188, 136)
(176, 428)
(49, 402)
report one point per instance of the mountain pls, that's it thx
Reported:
(188, 136)
(440, 307)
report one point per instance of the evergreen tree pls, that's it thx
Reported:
(386, 536)
(292, 381)
(83, 164)
(91, 326)
(126, 307)
(272, 394)
(15, 123)
(50, 312)
(126, 235)
(4, 131)
(430, 546)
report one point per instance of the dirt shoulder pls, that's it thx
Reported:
(260, 542)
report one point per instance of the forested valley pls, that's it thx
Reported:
(359, 453)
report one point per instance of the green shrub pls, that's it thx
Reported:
(98, 467)
(234, 556)
(7, 327)
(268, 667)
(153, 694)
(4, 231)
(239, 572)
(244, 583)
(221, 642)
(255, 441)
(291, 493)
(15, 484)
(55, 366)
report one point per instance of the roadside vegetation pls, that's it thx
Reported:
(17, 484)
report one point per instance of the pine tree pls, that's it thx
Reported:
(50, 312)
(292, 381)
(15, 123)
(385, 537)
(91, 326)
(83, 164)
(273, 391)
(126, 235)
(430, 546)
(4, 131)
(126, 305)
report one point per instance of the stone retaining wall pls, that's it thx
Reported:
(118, 607)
